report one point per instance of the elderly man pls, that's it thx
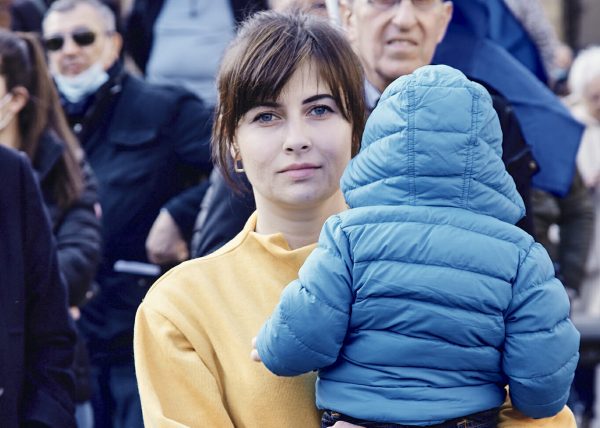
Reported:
(392, 38)
(147, 144)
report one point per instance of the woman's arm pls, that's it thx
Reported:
(176, 386)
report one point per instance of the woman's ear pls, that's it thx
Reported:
(20, 97)
(234, 150)
(238, 164)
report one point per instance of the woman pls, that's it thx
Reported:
(290, 114)
(31, 121)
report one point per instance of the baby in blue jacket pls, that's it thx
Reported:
(423, 300)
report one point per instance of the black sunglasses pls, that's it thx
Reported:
(82, 38)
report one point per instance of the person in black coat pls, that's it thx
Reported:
(32, 121)
(36, 333)
(147, 145)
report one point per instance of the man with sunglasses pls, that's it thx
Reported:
(148, 145)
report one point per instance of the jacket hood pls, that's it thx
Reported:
(434, 139)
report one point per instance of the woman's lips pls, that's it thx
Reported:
(300, 172)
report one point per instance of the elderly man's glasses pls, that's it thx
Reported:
(389, 4)
(81, 37)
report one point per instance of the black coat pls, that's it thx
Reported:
(36, 334)
(146, 144)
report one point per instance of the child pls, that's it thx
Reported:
(423, 300)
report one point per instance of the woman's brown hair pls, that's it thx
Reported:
(22, 63)
(268, 49)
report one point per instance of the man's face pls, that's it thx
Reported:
(396, 41)
(73, 58)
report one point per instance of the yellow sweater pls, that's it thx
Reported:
(193, 337)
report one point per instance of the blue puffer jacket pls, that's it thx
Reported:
(423, 300)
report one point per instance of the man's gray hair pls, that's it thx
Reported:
(106, 14)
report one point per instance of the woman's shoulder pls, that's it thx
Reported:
(196, 277)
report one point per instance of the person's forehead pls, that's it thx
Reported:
(302, 4)
(363, 3)
(81, 16)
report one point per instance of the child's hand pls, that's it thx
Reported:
(254, 353)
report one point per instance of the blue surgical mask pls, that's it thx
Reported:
(76, 88)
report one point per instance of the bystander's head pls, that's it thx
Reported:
(82, 43)
(394, 37)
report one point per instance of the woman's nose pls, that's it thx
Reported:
(297, 138)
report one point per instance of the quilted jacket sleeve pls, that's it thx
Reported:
(308, 326)
(541, 348)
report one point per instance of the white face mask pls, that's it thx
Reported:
(75, 88)
(7, 117)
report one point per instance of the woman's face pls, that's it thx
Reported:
(295, 148)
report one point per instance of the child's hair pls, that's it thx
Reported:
(22, 63)
(269, 48)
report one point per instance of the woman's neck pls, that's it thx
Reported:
(299, 226)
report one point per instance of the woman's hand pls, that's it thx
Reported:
(254, 353)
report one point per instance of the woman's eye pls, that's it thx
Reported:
(264, 117)
(321, 110)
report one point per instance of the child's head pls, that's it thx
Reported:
(434, 139)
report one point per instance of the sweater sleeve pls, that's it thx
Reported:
(176, 386)
(308, 326)
(541, 347)
(510, 417)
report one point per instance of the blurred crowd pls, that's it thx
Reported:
(111, 106)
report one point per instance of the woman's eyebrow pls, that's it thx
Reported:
(272, 104)
(316, 98)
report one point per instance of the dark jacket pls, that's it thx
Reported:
(574, 214)
(36, 334)
(146, 145)
(77, 227)
(27, 15)
(77, 232)
(139, 28)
